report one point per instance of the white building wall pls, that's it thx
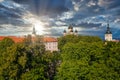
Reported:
(108, 37)
(51, 46)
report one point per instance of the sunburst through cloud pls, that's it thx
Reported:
(51, 17)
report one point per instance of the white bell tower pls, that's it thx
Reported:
(108, 34)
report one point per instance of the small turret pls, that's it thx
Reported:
(64, 32)
(76, 32)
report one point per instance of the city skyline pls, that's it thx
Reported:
(51, 17)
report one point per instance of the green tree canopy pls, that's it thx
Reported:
(88, 59)
(6, 42)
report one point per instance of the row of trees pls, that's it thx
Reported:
(80, 58)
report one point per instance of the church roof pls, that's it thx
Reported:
(71, 30)
(21, 39)
(14, 38)
(64, 31)
(49, 39)
(108, 30)
(76, 31)
(70, 27)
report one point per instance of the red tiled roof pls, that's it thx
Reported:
(50, 39)
(1, 38)
(21, 39)
(115, 41)
(14, 38)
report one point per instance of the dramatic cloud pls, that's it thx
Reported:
(1, 0)
(51, 17)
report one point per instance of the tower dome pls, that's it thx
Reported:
(64, 31)
(108, 29)
(70, 31)
(70, 27)
(76, 31)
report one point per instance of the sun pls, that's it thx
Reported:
(36, 22)
(39, 26)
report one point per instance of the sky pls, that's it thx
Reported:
(51, 17)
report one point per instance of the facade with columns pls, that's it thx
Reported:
(70, 31)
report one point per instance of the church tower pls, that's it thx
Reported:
(70, 31)
(64, 32)
(33, 35)
(108, 34)
(33, 32)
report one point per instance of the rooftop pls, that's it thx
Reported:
(21, 39)
(50, 39)
(14, 38)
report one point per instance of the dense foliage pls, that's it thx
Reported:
(88, 58)
(79, 58)
(26, 61)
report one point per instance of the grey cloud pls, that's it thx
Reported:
(45, 7)
(88, 14)
(109, 4)
(88, 25)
